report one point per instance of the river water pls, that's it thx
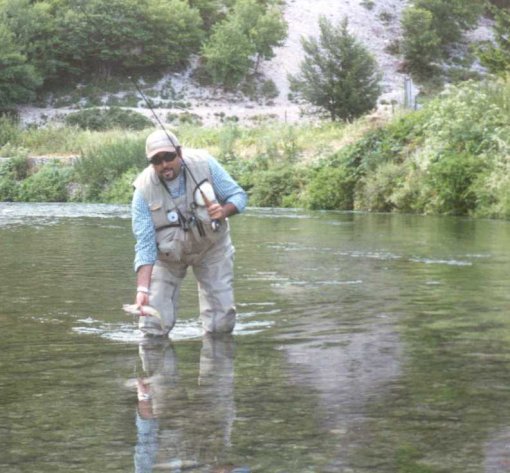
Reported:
(364, 343)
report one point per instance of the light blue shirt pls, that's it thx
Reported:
(226, 189)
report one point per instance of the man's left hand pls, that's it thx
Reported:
(216, 212)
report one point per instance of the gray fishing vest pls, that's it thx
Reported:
(182, 227)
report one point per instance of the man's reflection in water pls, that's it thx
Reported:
(181, 428)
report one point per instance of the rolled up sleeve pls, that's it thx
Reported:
(226, 189)
(143, 230)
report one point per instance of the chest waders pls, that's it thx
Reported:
(186, 238)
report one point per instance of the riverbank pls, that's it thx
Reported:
(450, 157)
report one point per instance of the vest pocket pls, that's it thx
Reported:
(171, 242)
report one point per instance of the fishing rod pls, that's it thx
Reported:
(215, 224)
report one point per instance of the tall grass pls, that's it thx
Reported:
(101, 164)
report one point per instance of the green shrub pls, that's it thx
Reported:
(8, 189)
(49, 184)
(449, 184)
(277, 187)
(105, 119)
(368, 4)
(12, 171)
(269, 90)
(493, 193)
(120, 190)
(332, 188)
(407, 196)
(16, 166)
(190, 119)
(375, 191)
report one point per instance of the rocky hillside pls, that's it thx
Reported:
(375, 23)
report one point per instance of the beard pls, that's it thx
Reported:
(168, 174)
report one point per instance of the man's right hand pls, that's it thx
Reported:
(142, 298)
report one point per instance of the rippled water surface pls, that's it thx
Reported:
(364, 343)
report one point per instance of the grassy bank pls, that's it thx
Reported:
(450, 157)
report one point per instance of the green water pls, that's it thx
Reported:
(365, 343)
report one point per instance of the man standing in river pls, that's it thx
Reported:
(180, 211)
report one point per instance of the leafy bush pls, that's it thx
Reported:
(49, 184)
(227, 55)
(8, 188)
(449, 184)
(109, 118)
(493, 193)
(277, 187)
(378, 188)
(120, 191)
(452, 17)
(12, 171)
(332, 188)
(17, 166)
(268, 89)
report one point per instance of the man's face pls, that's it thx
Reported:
(167, 165)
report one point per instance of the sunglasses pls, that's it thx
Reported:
(159, 158)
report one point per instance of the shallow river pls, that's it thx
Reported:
(364, 343)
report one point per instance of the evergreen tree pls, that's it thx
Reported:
(338, 75)
(496, 56)
(211, 11)
(420, 43)
(450, 18)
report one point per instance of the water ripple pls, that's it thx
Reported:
(15, 213)
(183, 330)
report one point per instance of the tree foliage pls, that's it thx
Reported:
(227, 55)
(264, 27)
(65, 37)
(211, 11)
(249, 31)
(496, 56)
(76, 39)
(338, 75)
(126, 34)
(18, 79)
(450, 18)
(421, 44)
(432, 27)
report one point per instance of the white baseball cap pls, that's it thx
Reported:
(160, 141)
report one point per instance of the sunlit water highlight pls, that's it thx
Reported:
(364, 343)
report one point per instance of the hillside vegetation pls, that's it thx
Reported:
(450, 157)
